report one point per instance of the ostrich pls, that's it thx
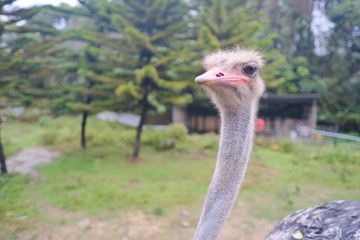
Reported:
(234, 85)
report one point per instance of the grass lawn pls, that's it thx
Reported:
(174, 170)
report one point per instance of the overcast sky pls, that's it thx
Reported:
(28, 3)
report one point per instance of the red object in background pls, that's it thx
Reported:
(260, 125)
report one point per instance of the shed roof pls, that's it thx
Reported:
(290, 98)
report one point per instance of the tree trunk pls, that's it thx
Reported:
(2, 159)
(83, 128)
(2, 154)
(85, 114)
(144, 110)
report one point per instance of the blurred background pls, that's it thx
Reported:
(104, 135)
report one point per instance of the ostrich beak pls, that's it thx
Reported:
(216, 76)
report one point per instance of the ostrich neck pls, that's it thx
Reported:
(237, 131)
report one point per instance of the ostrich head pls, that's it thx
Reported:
(232, 77)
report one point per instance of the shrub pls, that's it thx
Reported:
(282, 145)
(336, 156)
(209, 141)
(158, 210)
(101, 139)
(48, 138)
(127, 136)
(45, 121)
(165, 138)
(177, 131)
(286, 146)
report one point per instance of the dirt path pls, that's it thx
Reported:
(135, 224)
(28, 159)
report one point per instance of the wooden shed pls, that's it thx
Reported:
(281, 114)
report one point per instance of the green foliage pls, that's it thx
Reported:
(116, 55)
(20, 74)
(292, 23)
(148, 40)
(282, 145)
(150, 30)
(226, 24)
(158, 210)
(340, 92)
(102, 179)
(108, 162)
(207, 141)
(286, 146)
(299, 79)
(147, 72)
(342, 161)
(48, 138)
(332, 74)
(337, 156)
(205, 36)
(129, 88)
(178, 131)
(219, 23)
(138, 40)
(14, 202)
(165, 139)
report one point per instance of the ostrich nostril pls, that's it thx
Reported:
(220, 74)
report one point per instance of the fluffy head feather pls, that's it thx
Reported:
(223, 79)
(232, 56)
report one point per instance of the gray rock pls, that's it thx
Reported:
(85, 223)
(185, 224)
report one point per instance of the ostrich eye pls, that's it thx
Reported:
(249, 70)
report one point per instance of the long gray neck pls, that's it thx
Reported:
(237, 132)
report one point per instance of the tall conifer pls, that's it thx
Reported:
(150, 31)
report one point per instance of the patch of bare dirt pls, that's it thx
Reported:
(76, 225)
(28, 159)
(242, 225)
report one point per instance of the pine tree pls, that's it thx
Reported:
(150, 30)
(225, 24)
(220, 24)
(87, 79)
(15, 64)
